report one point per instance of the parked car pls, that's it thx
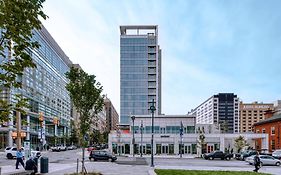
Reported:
(71, 147)
(217, 155)
(243, 155)
(277, 154)
(58, 148)
(265, 160)
(11, 152)
(102, 155)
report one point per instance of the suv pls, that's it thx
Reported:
(102, 155)
(277, 154)
(218, 154)
(247, 153)
(11, 152)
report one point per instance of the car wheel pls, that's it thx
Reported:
(277, 164)
(9, 156)
(212, 158)
(90, 158)
(95, 159)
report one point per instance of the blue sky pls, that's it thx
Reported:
(208, 46)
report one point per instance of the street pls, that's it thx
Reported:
(65, 162)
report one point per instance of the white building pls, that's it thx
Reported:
(221, 110)
(167, 138)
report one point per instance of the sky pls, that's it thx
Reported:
(208, 46)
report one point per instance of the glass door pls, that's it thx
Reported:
(164, 149)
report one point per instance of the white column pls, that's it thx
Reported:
(28, 128)
(56, 130)
(176, 147)
(10, 124)
(222, 144)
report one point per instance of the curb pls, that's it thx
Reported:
(151, 172)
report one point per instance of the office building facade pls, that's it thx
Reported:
(140, 71)
(221, 110)
(168, 140)
(112, 117)
(44, 86)
(251, 113)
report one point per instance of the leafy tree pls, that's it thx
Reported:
(18, 19)
(240, 142)
(85, 93)
(74, 133)
(201, 141)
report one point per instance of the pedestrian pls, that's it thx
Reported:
(257, 162)
(20, 158)
(31, 165)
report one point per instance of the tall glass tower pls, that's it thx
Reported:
(140, 70)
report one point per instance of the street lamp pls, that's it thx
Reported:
(133, 142)
(141, 129)
(152, 109)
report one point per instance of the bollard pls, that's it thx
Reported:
(76, 166)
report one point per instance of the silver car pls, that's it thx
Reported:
(265, 160)
(277, 154)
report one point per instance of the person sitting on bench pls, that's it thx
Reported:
(31, 165)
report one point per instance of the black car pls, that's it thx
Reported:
(217, 155)
(247, 153)
(102, 155)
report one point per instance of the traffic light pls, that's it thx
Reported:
(41, 119)
(55, 120)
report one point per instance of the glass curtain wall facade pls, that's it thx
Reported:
(140, 66)
(44, 86)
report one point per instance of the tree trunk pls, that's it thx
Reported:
(18, 122)
(83, 159)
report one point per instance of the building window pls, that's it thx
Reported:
(257, 131)
(263, 130)
(273, 144)
(272, 130)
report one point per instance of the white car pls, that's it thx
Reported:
(265, 160)
(59, 148)
(277, 154)
(11, 152)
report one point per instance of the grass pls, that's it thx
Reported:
(199, 172)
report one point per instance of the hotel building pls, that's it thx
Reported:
(140, 71)
(251, 113)
(222, 110)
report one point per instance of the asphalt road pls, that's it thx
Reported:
(67, 159)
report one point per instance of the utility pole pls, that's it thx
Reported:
(133, 141)
(152, 109)
(181, 133)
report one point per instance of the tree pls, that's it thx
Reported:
(240, 142)
(18, 19)
(85, 93)
(201, 142)
(74, 133)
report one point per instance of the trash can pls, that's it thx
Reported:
(44, 165)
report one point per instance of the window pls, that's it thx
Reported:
(263, 130)
(272, 130)
(273, 144)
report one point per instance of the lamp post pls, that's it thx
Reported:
(152, 109)
(133, 141)
(181, 133)
(141, 129)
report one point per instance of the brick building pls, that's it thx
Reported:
(272, 127)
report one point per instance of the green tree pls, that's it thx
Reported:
(85, 93)
(240, 142)
(74, 133)
(18, 19)
(201, 144)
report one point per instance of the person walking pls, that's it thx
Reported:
(20, 158)
(257, 162)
